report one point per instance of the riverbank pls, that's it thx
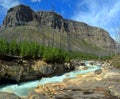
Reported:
(87, 86)
(17, 70)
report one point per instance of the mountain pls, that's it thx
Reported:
(51, 29)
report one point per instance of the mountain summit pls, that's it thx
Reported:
(51, 29)
(19, 15)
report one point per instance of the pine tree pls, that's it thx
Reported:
(13, 48)
(3, 47)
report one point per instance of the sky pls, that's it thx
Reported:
(99, 13)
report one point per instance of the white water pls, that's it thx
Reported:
(24, 88)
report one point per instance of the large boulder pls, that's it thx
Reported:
(98, 71)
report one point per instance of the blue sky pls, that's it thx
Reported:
(100, 13)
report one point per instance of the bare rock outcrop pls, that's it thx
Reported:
(14, 72)
(19, 15)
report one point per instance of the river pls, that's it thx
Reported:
(24, 88)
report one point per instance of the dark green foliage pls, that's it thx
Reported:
(29, 49)
(105, 58)
(81, 55)
(115, 61)
(41, 51)
(33, 50)
(13, 48)
(54, 55)
(3, 47)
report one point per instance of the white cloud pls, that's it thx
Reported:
(5, 5)
(35, 0)
(101, 13)
(8, 3)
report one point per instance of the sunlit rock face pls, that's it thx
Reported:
(15, 72)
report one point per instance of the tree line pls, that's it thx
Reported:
(32, 50)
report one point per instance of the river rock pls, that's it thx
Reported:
(63, 96)
(77, 64)
(98, 71)
(46, 70)
(4, 95)
(115, 91)
(36, 96)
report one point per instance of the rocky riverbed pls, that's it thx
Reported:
(103, 84)
(87, 86)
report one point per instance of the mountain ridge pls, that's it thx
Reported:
(51, 29)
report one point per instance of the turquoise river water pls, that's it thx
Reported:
(24, 88)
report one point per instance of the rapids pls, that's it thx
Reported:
(24, 88)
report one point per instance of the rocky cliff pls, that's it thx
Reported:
(51, 29)
(19, 15)
(16, 71)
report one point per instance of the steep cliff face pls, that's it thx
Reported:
(19, 15)
(51, 19)
(49, 27)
